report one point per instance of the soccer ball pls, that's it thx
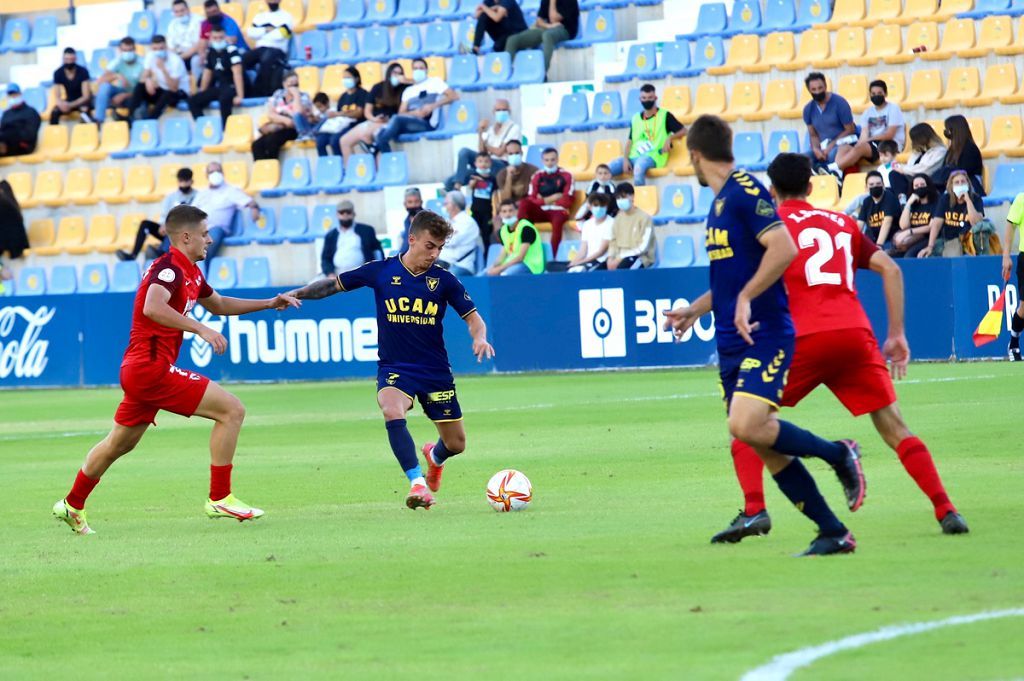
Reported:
(509, 490)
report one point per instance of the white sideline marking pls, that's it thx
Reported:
(782, 666)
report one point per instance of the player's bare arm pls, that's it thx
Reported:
(779, 252)
(681, 319)
(478, 331)
(158, 309)
(225, 305)
(896, 349)
(316, 290)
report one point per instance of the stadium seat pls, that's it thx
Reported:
(85, 137)
(128, 227)
(605, 151)
(745, 17)
(744, 50)
(110, 185)
(408, 42)
(31, 280)
(780, 15)
(70, 232)
(675, 98)
(175, 138)
(342, 45)
(984, 8)
(458, 118)
(21, 185)
(223, 273)
(675, 61)
(293, 225)
(783, 141)
(16, 35)
(886, 43)
(77, 189)
(709, 99)
(102, 232)
(382, 11)
(708, 52)
(1014, 47)
(208, 132)
(359, 172)
(878, 11)
(678, 162)
(376, 44)
(925, 86)
(641, 62)
(748, 148)
(144, 137)
(255, 273)
(677, 251)
(348, 13)
(1006, 138)
(261, 230)
(326, 177)
(37, 97)
(574, 156)
(963, 84)
(597, 27)
(52, 140)
(437, 39)
(41, 234)
(745, 100)
(712, 19)
(139, 184)
(295, 174)
(142, 27)
(814, 48)
(779, 48)
(49, 184)
(497, 69)
(567, 250)
(854, 185)
(444, 10)
(897, 85)
(994, 33)
(824, 191)
(324, 218)
(676, 204)
(571, 112)
(311, 43)
(237, 136)
(44, 34)
(1006, 184)
(317, 12)
(493, 253)
(853, 87)
(607, 111)
(113, 138)
(846, 13)
(266, 174)
(392, 169)
(527, 68)
(236, 173)
(850, 44)
(814, 12)
(780, 101)
(93, 279)
(463, 73)
(950, 8)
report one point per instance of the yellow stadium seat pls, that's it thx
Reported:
(138, 183)
(676, 98)
(925, 86)
(964, 83)
(950, 8)
(878, 11)
(957, 37)
(237, 136)
(166, 180)
(854, 89)
(309, 78)
(851, 43)
(779, 48)
(70, 233)
(102, 230)
(886, 42)
(846, 12)
(77, 189)
(371, 73)
(780, 100)
(574, 157)
(815, 46)
(1007, 137)
(41, 234)
(854, 184)
(710, 99)
(266, 174)
(236, 173)
(85, 137)
(977, 126)
(53, 139)
(678, 161)
(129, 227)
(318, 12)
(936, 124)
(745, 100)
(994, 32)
(110, 185)
(330, 83)
(647, 199)
(48, 187)
(1000, 81)
(114, 137)
(916, 10)
(1017, 96)
(199, 180)
(406, 64)
(251, 10)
(605, 151)
(1013, 47)
(824, 192)
(298, 12)
(21, 184)
(236, 12)
(437, 68)
(896, 84)
(922, 36)
(744, 50)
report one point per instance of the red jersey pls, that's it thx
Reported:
(819, 281)
(154, 343)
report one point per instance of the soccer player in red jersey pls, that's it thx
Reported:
(169, 290)
(835, 345)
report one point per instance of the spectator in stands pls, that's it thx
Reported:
(880, 211)
(633, 245)
(232, 31)
(928, 152)
(19, 125)
(956, 213)
(164, 82)
(351, 111)
(420, 110)
(514, 180)
(220, 203)
(492, 141)
(916, 218)
(222, 80)
(385, 99)
(462, 249)
(287, 106)
(481, 187)
(897, 182)
(550, 196)
(13, 237)
(271, 31)
(118, 82)
(596, 235)
(882, 121)
(602, 184)
(557, 21)
(183, 34)
(522, 250)
(71, 89)
(651, 134)
(499, 19)
(963, 154)
(185, 195)
(349, 244)
(829, 121)
(413, 203)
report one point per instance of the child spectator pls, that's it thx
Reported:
(602, 184)
(596, 235)
(482, 185)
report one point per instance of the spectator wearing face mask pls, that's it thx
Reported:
(927, 152)
(963, 154)
(829, 121)
(349, 244)
(602, 184)
(420, 110)
(221, 80)
(460, 253)
(514, 179)
(958, 211)
(220, 203)
(880, 122)
(651, 134)
(481, 188)
(493, 140)
(71, 89)
(350, 112)
(916, 218)
(164, 82)
(522, 251)
(118, 82)
(233, 33)
(183, 34)
(413, 203)
(550, 196)
(880, 211)
(19, 125)
(382, 105)
(632, 245)
(271, 32)
(596, 235)
(184, 195)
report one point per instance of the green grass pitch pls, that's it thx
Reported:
(609, 573)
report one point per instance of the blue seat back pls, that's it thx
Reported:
(294, 221)
(62, 280)
(17, 33)
(360, 171)
(316, 42)
(163, 21)
(35, 97)
(814, 12)
(376, 45)
(633, 105)
(708, 51)
(464, 32)
(438, 36)
(444, 8)
(126, 276)
(93, 279)
(461, 117)
(100, 59)
(607, 107)
(783, 141)
(566, 249)
(675, 56)
(263, 227)
(779, 15)
(573, 109)
(393, 169)
(380, 10)
(748, 148)
(746, 16)
(1008, 179)
(44, 32)
(329, 171)
(407, 41)
(209, 130)
(177, 133)
(31, 281)
(350, 10)
(493, 251)
(411, 10)
(676, 201)
(343, 45)
(463, 70)
(642, 58)
(599, 26)
(497, 68)
(704, 198)
(677, 251)
(142, 26)
(295, 173)
(324, 218)
(712, 18)
(534, 152)
(435, 206)
(144, 135)
(255, 272)
(223, 273)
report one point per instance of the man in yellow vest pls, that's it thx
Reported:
(651, 133)
(522, 249)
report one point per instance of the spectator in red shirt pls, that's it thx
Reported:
(550, 196)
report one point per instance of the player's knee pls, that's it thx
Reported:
(234, 412)
(392, 412)
(747, 429)
(456, 444)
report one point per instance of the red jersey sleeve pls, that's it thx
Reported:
(205, 290)
(863, 248)
(166, 275)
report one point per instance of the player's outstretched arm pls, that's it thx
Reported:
(478, 331)
(896, 349)
(225, 305)
(779, 252)
(157, 309)
(681, 319)
(318, 289)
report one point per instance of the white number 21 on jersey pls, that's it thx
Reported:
(813, 237)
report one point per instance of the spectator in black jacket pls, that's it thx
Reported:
(19, 126)
(350, 244)
(13, 238)
(963, 154)
(72, 91)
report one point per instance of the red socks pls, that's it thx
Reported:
(916, 458)
(220, 482)
(749, 472)
(81, 490)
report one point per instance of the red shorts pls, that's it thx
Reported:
(846, 361)
(150, 388)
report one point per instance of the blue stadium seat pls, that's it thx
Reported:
(712, 19)
(145, 137)
(813, 12)
(35, 97)
(142, 26)
(223, 273)
(599, 27)
(393, 169)
(295, 174)
(607, 111)
(633, 105)
(497, 70)
(255, 273)
(381, 12)
(359, 172)
(343, 46)
(62, 280)
(464, 32)
(780, 15)
(704, 198)
(459, 118)
(565, 248)
(209, 130)
(31, 281)
(1006, 183)
(294, 225)
(708, 51)
(748, 148)
(676, 204)
(126, 277)
(176, 138)
(249, 230)
(99, 61)
(348, 14)
(534, 152)
(44, 34)
(463, 73)
(375, 46)
(93, 279)
(407, 42)
(493, 251)
(17, 33)
(324, 218)
(746, 16)
(527, 68)
(572, 111)
(983, 8)
(641, 62)
(549, 254)
(437, 40)
(677, 251)
(702, 254)
(782, 141)
(445, 10)
(410, 11)
(326, 177)
(316, 42)
(675, 61)
(163, 21)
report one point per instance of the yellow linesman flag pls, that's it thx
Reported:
(992, 323)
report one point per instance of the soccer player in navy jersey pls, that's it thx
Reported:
(749, 249)
(412, 294)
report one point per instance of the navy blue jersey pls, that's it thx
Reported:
(410, 311)
(742, 212)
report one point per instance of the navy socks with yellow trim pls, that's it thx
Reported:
(795, 441)
(798, 486)
(440, 453)
(404, 448)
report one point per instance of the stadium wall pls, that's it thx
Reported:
(593, 321)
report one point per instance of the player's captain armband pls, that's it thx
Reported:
(166, 274)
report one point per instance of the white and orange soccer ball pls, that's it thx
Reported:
(509, 490)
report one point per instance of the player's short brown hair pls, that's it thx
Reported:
(182, 218)
(790, 174)
(712, 137)
(431, 223)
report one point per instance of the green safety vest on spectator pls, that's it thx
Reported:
(534, 259)
(649, 136)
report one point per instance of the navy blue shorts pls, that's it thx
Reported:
(757, 371)
(435, 390)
